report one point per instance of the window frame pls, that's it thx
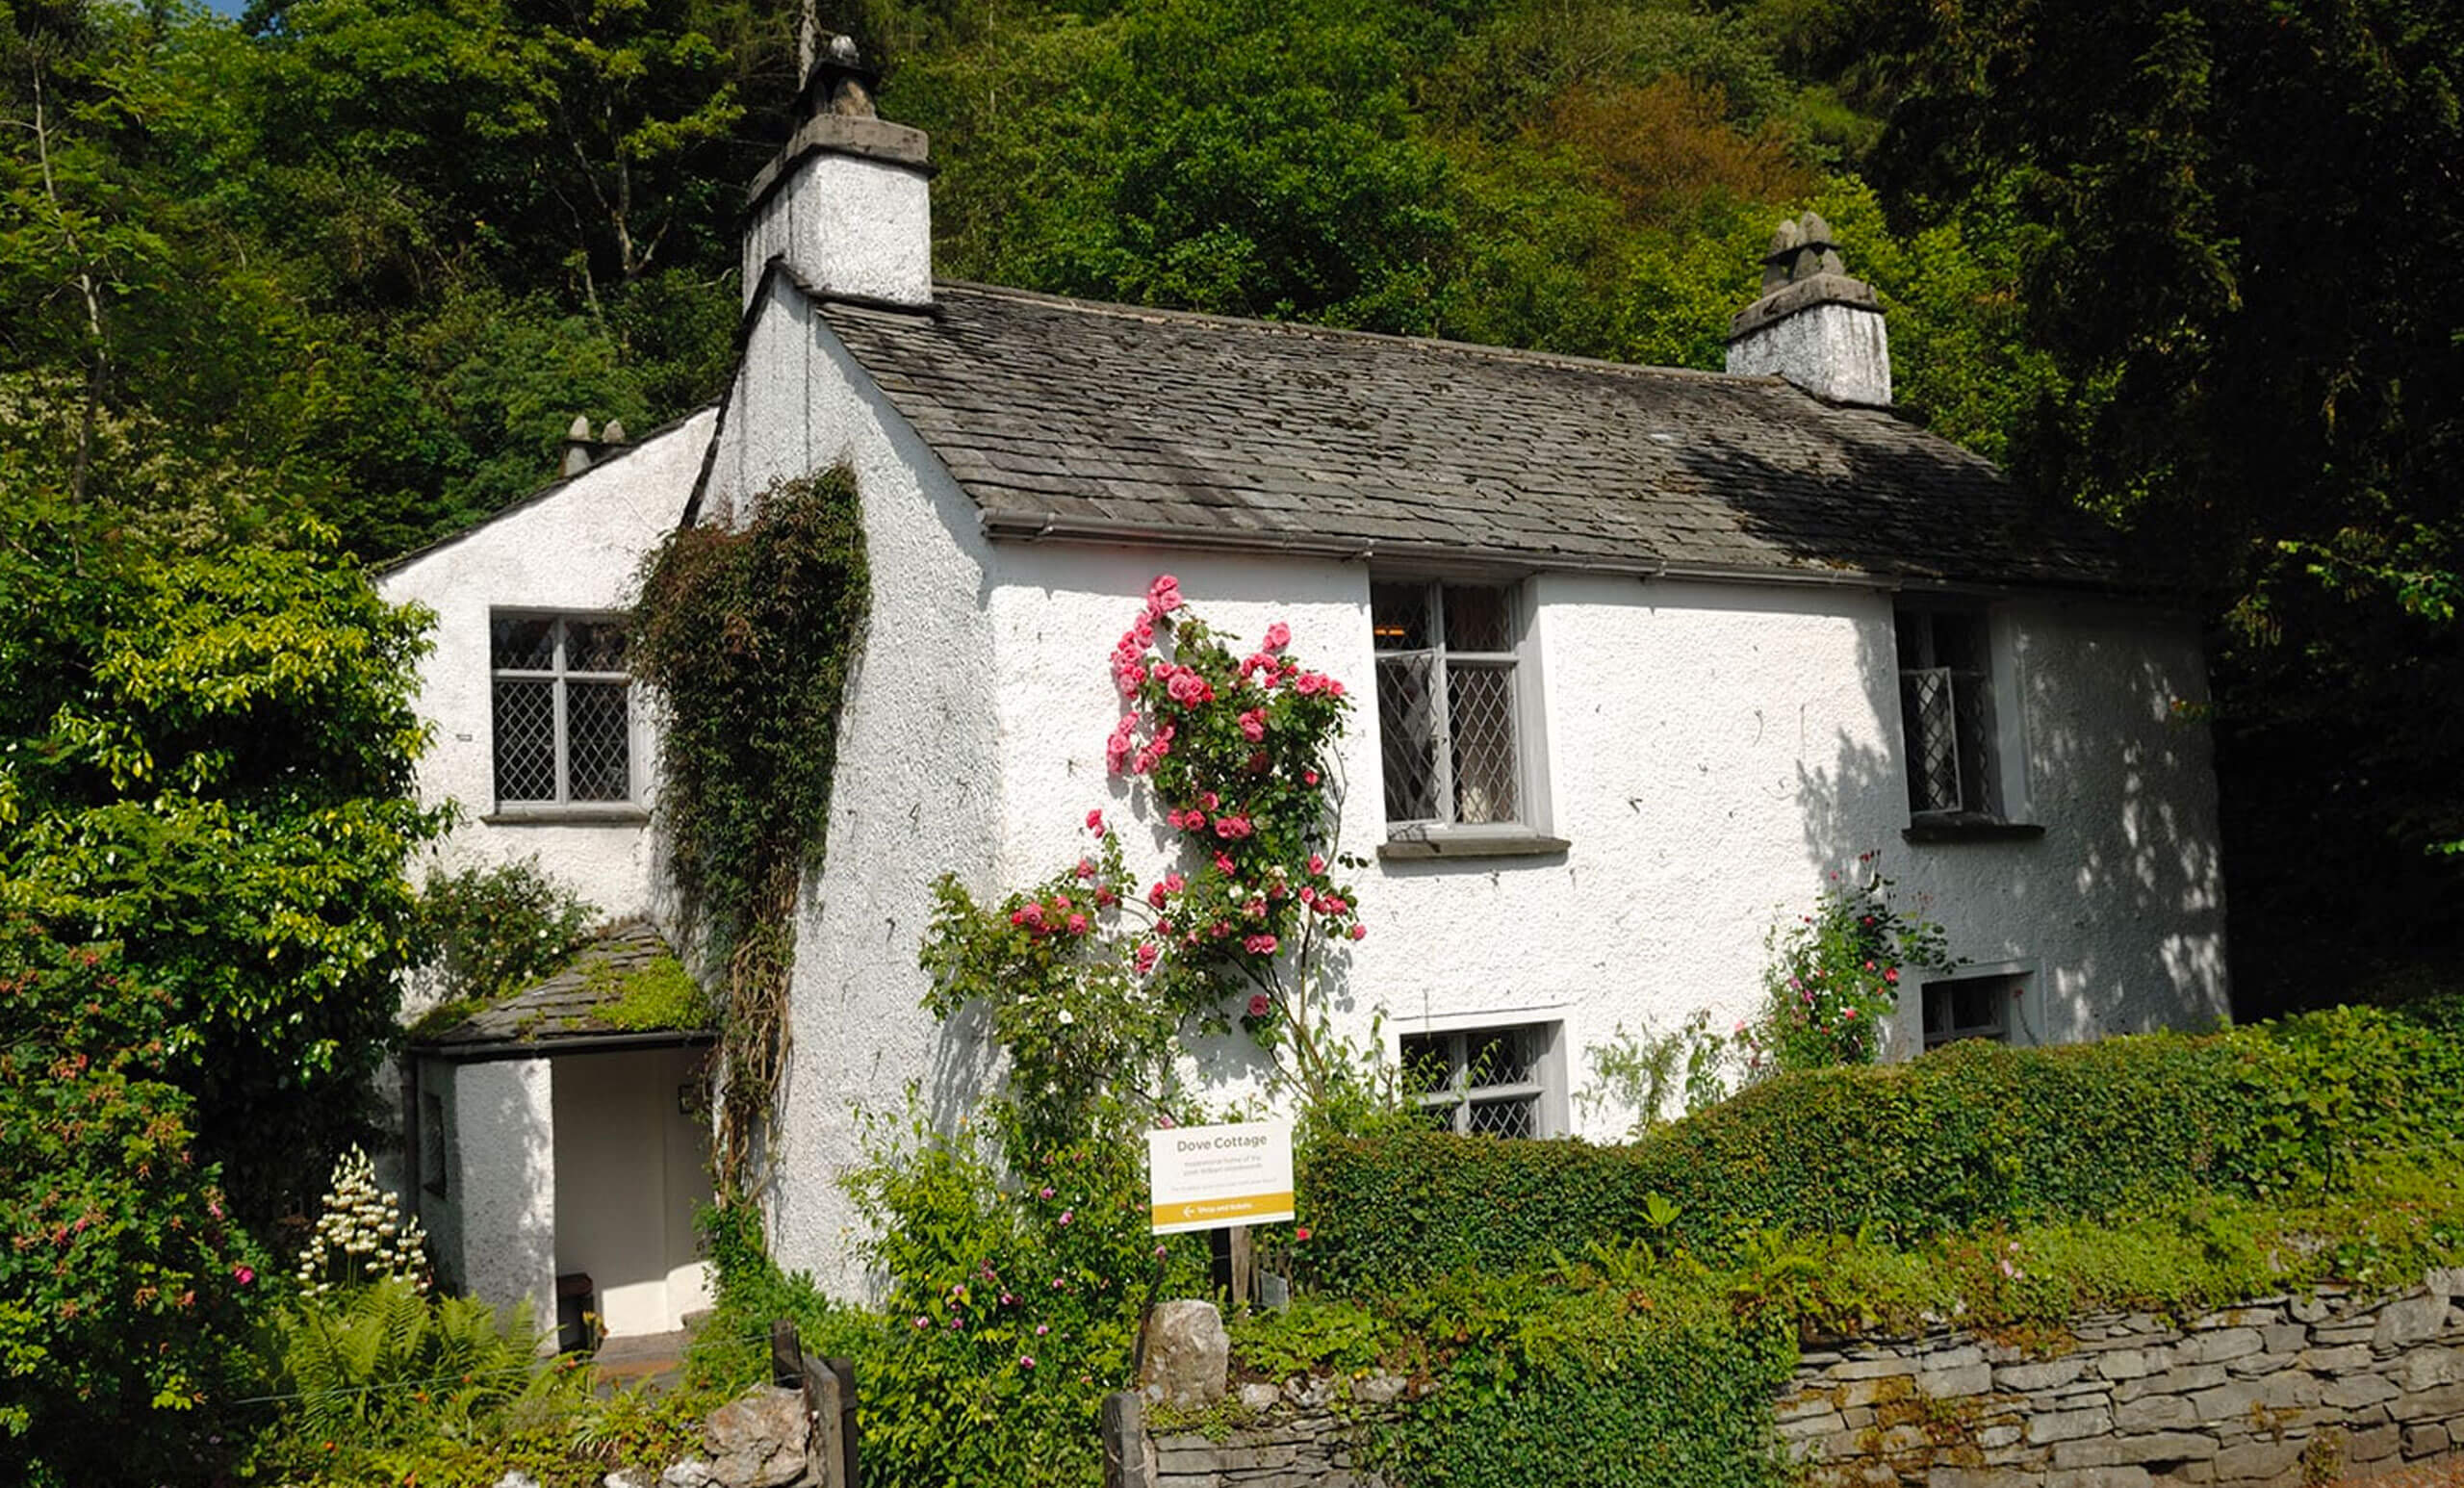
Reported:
(1999, 745)
(561, 676)
(1525, 831)
(1545, 1089)
(2011, 982)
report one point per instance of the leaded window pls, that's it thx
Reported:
(1482, 1081)
(563, 719)
(1946, 708)
(1446, 702)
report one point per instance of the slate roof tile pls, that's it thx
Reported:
(1174, 427)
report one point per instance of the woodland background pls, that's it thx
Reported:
(331, 277)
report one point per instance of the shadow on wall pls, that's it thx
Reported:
(2118, 904)
(503, 1164)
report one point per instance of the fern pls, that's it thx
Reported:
(382, 1364)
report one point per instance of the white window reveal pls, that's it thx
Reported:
(563, 718)
(1946, 708)
(1487, 1082)
(1446, 709)
(1958, 1007)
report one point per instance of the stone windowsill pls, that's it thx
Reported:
(1426, 843)
(593, 813)
(1969, 827)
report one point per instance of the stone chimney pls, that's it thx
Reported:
(845, 202)
(577, 451)
(1814, 324)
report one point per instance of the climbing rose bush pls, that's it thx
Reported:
(1090, 978)
(1834, 977)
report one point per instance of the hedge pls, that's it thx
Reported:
(1976, 1133)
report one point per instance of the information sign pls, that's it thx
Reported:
(1214, 1177)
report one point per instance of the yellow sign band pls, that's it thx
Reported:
(1265, 1208)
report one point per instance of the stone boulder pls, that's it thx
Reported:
(1188, 1356)
(757, 1441)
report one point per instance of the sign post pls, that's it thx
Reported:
(1220, 1178)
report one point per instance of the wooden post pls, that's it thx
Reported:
(1233, 1263)
(1125, 1438)
(848, 1435)
(826, 1449)
(786, 1355)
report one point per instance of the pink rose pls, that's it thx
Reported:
(1309, 777)
(1259, 946)
(1077, 924)
(1095, 820)
(1253, 725)
(1163, 597)
(1359, 931)
(243, 1275)
(1317, 862)
(1156, 894)
(1146, 954)
(1086, 868)
(1258, 1005)
(1278, 637)
(1224, 866)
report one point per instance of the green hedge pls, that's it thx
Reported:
(1974, 1134)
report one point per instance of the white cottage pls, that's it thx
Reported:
(1651, 650)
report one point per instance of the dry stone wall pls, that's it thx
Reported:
(2280, 1392)
(1305, 1434)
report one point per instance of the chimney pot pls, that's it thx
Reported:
(614, 433)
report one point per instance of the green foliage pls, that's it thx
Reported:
(1834, 977)
(1016, 1289)
(1311, 1337)
(207, 760)
(1973, 1135)
(491, 931)
(127, 1292)
(748, 634)
(383, 1365)
(2177, 182)
(1569, 1378)
(1645, 1074)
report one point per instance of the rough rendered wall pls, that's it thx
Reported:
(915, 792)
(577, 548)
(501, 1172)
(1711, 752)
(848, 226)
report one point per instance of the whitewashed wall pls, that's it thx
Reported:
(1712, 752)
(501, 1183)
(917, 785)
(576, 548)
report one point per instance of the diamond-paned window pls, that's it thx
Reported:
(562, 710)
(1482, 1081)
(1446, 702)
(1946, 708)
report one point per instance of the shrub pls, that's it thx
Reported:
(1975, 1134)
(127, 1292)
(1834, 977)
(489, 932)
(1014, 1291)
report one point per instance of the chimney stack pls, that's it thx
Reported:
(1813, 325)
(845, 203)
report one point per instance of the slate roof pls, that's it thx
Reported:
(1073, 419)
(564, 1009)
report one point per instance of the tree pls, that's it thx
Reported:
(2235, 225)
(205, 761)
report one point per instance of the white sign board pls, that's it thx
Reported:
(1214, 1177)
